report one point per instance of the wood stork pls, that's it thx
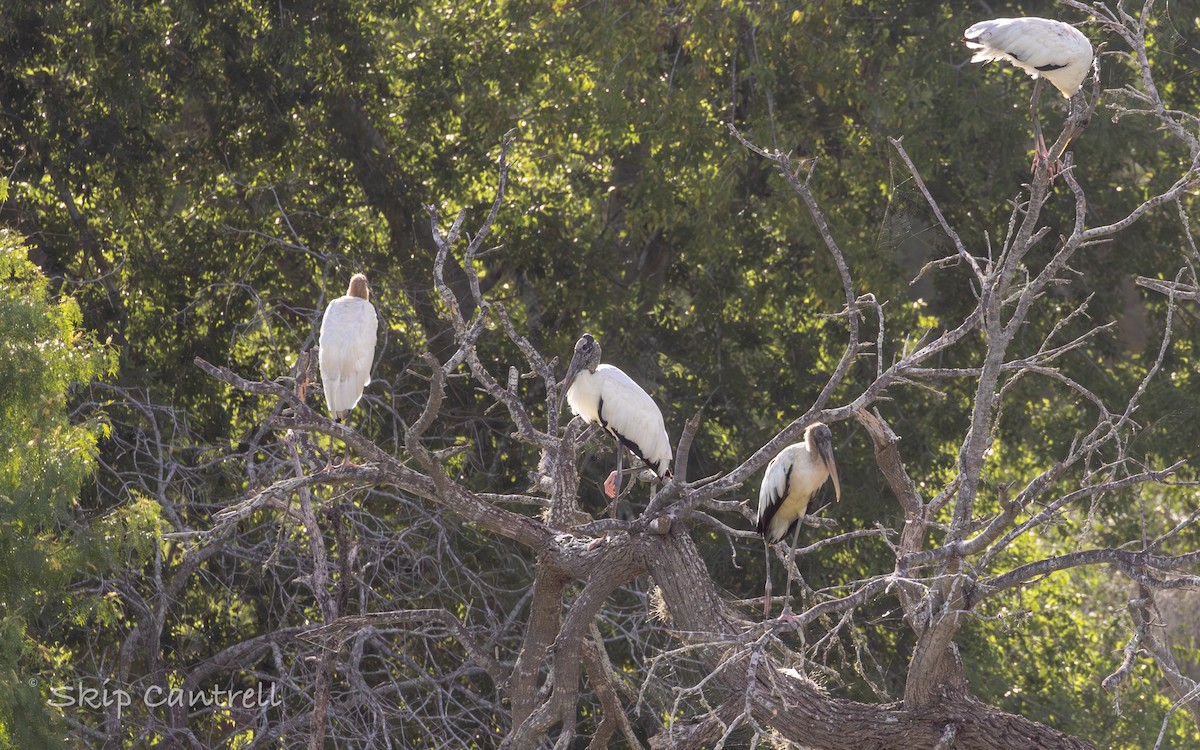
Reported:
(604, 395)
(1043, 48)
(347, 349)
(791, 480)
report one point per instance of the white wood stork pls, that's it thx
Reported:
(604, 395)
(347, 349)
(792, 479)
(1043, 48)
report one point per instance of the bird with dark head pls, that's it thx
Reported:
(606, 396)
(791, 481)
(347, 341)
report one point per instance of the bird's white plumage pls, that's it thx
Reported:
(610, 398)
(791, 480)
(347, 350)
(1053, 50)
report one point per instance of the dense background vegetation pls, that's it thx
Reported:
(201, 178)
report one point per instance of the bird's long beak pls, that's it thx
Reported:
(826, 451)
(572, 370)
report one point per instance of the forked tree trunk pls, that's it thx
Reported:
(803, 712)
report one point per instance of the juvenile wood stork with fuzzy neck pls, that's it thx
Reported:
(790, 483)
(1045, 49)
(604, 395)
(347, 344)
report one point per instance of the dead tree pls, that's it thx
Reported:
(714, 668)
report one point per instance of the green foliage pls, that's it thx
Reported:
(45, 457)
(206, 175)
(1056, 642)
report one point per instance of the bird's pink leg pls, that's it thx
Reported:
(329, 465)
(613, 489)
(786, 615)
(787, 593)
(1040, 154)
(767, 585)
(345, 462)
(612, 485)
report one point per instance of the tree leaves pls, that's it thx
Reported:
(201, 175)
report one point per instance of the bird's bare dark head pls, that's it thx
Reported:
(817, 433)
(587, 351)
(358, 287)
(820, 441)
(586, 357)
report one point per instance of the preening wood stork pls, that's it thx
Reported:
(347, 349)
(792, 479)
(604, 395)
(1043, 48)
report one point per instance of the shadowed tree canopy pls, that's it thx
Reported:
(768, 215)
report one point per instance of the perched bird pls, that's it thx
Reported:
(604, 395)
(792, 479)
(1045, 49)
(347, 349)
